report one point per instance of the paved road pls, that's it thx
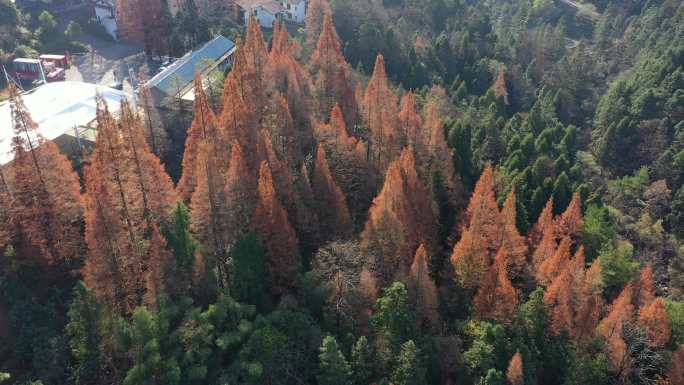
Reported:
(106, 62)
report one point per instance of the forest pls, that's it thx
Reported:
(409, 192)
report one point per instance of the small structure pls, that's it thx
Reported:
(65, 113)
(175, 82)
(267, 12)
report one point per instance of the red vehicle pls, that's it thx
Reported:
(51, 68)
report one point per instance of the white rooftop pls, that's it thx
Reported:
(57, 108)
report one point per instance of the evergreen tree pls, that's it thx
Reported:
(333, 369)
(362, 362)
(84, 336)
(247, 283)
(408, 369)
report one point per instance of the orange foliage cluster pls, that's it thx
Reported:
(400, 219)
(638, 305)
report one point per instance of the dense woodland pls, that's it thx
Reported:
(413, 192)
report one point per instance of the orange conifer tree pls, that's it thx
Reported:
(153, 184)
(333, 80)
(499, 86)
(590, 302)
(552, 267)
(496, 297)
(315, 15)
(611, 326)
(475, 251)
(570, 223)
(381, 117)
(544, 223)
(558, 299)
(411, 122)
(277, 235)
(46, 203)
(676, 376)
(331, 203)
(209, 209)
(204, 128)
(424, 290)
(241, 196)
(513, 241)
(653, 318)
(644, 289)
(514, 373)
(400, 219)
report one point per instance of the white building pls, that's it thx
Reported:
(267, 12)
(65, 113)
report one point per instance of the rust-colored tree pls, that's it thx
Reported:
(271, 224)
(380, 117)
(128, 196)
(411, 123)
(552, 267)
(6, 225)
(331, 204)
(333, 80)
(513, 241)
(653, 318)
(544, 223)
(241, 195)
(149, 181)
(209, 210)
(514, 373)
(570, 224)
(676, 376)
(644, 289)
(558, 299)
(348, 163)
(499, 87)
(291, 80)
(423, 290)
(204, 128)
(315, 16)
(46, 205)
(496, 297)
(400, 219)
(611, 326)
(474, 253)
(590, 302)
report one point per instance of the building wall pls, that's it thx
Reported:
(298, 12)
(265, 18)
(107, 19)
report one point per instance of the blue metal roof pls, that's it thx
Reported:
(185, 68)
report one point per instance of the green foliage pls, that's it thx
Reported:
(488, 347)
(617, 268)
(393, 320)
(209, 336)
(599, 231)
(73, 29)
(84, 335)
(179, 239)
(676, 217)
(333, 369)
(282, 342)
(362, 362)
(408, 369)
(247, 283)
(493, 377)
(144, 338)
(675, 316)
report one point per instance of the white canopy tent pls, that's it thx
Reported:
(58, 108)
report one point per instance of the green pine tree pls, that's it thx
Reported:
(333, 367)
